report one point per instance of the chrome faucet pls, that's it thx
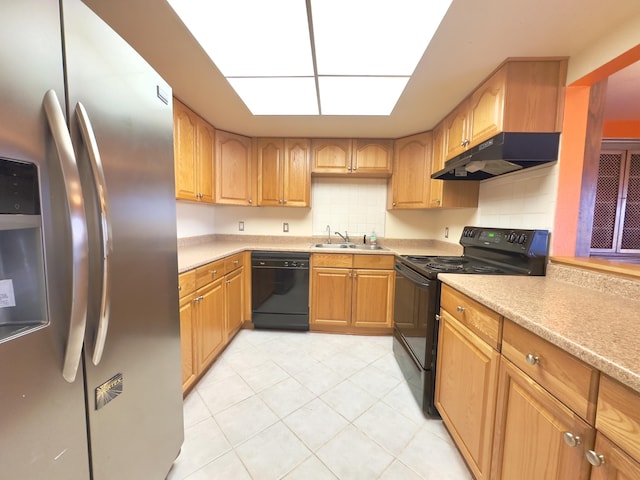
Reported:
(344, 237)
(328, 234)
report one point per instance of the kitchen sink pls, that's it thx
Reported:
(334, 245)
(348, 245)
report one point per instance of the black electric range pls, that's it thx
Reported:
(486, 251)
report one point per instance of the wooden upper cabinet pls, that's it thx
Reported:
(409, 185)
(343, 156)
(193, 141)
(284, 177)
(331, 155)
(296, 173)
(521, 96)
(372, 157)
(235, 172)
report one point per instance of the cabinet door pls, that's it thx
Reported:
(617, 465)
(331, 155)
(530, 427)
(205, 135)
(234, 285)
(331, 296)
(409, 184)
(372, 298)
(456, 126)
(270, 171)
(234, 172)
(372, 157)
(437, 163)
(186, 342)
(211, 322)
(486, 108)
(296, 173)
(466, 389)
(184, 144)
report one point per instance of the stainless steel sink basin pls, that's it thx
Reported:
(334, 245)
(348, 245)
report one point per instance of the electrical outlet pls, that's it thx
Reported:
(285, 227)
(446, 232)
(241, 226)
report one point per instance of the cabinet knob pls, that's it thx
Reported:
(571, 439)
(437, 201)
(394, 204)
(532, 359)
(460, 308)
(213, 272)
(236, 262)
(284, 201)
(250, 201)
(594, 458)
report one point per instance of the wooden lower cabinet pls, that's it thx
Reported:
(352, 293)
(531, 430)
(614, 463)
(187, 321)
(210, 322)
(212, 314)
(466, 386)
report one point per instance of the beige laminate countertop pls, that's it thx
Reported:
(192, 254)
(595, 319)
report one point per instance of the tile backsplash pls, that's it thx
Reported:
(357, 206)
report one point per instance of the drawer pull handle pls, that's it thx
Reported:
(214, 272)
(460, 309)
(532, 359)
(571, 439)
(594, 458)
(236, 262)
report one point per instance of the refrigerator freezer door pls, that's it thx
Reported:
(42, 416)
(134, 394)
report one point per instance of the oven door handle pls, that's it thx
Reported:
(412, 276)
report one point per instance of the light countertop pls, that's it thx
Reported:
(595, 319)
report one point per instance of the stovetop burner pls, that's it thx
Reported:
(491, 251)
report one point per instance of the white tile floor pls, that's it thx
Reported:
(310, 406)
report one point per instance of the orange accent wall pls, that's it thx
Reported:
(621, 128)
(574, 127)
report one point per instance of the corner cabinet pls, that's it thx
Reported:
(353, 157)
(284, 176)
(409, 185)
(235, 169)
(193, 155)
(352, 293)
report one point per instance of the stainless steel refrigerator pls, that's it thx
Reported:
(90, 376)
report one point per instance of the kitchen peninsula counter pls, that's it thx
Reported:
(591, 315)
(194, 252)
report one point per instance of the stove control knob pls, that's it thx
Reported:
(512, 237)
(522, 239)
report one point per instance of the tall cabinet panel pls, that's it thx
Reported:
(409, 185)
(234, 169)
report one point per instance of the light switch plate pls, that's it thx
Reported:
(241, 226)
(285, 227)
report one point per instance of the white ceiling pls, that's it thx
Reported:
(474, 38)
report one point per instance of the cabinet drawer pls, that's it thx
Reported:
(618, 415)
(233, 262)
(482, 321)
(209, 272)
(186, 283)
(570, 380)
(339, 260)
(384, 262)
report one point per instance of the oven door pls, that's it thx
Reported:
(415, 333)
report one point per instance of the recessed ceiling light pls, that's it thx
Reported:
(382, 40)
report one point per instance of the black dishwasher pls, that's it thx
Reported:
(280, 290)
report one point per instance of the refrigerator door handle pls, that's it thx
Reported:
(89, 138)
(79, 240)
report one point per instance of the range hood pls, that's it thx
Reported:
(504, 153)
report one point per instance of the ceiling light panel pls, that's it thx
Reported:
(251, 38)
(360, 95)
(278, 96)
(373, 37)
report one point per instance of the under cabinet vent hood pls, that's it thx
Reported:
(504, 153)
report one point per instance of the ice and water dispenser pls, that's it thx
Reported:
(22, 277)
